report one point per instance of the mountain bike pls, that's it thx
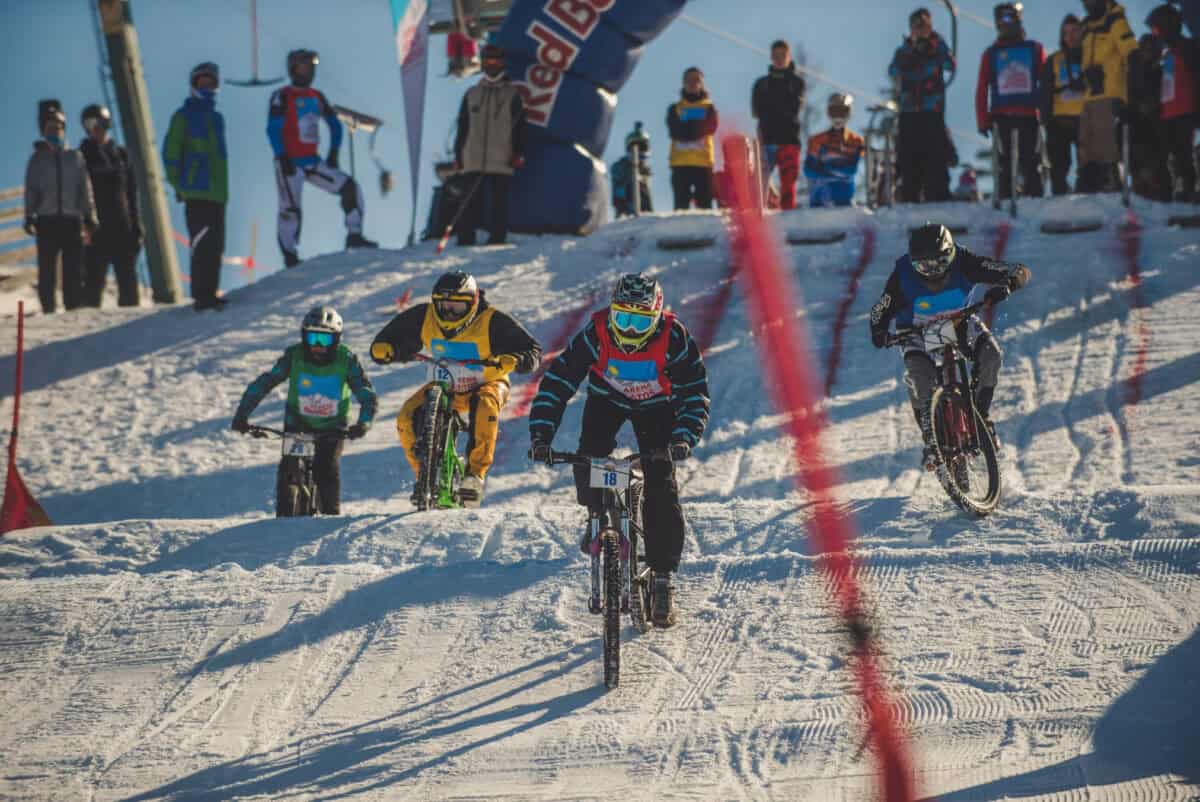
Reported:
(442, 467)
(620, 575)
(297, 493)
(964, 446)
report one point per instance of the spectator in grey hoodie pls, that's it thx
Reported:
(59, 209)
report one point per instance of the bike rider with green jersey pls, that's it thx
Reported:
(322, 374)
(642, 366)
(935, 276)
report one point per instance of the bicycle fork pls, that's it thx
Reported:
(599, 533)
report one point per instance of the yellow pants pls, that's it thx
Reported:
(482, 408)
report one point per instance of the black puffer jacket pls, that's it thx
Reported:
(113, 187)
(777, 100)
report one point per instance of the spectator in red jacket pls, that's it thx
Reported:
(1179, 97)
(1006, 98)
(776, 102)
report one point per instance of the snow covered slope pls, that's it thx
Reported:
(169, 639)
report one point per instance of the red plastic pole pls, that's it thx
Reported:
(796, 388)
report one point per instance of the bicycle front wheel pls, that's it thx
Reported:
(967, 464)
(612, 609)
(427, 442)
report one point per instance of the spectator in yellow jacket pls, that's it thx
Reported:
(692, 121)
(1107, 45)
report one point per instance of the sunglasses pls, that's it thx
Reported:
(323, 339)
(92, 123)
(638, 322)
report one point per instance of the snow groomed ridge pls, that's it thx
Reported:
(169, 640)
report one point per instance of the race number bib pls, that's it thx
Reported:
(609, 475)
(1168, 79)
(308, 120)
(299, 445)
(319, 396)
(1016, 77)
(459, 378)
(636, 380)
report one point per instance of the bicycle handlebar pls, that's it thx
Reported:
(572, 458)
(487, 363)
(263, 432)
(901, 336)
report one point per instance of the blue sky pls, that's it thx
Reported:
(49, 50)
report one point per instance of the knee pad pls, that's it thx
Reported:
(349, 195)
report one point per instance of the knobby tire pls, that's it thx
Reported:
(952, 470)
(427, 481)
(612, 609)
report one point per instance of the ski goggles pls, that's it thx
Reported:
(92, 123)
(323, 339)
(627, 320)
(449, 309)
(933, 267)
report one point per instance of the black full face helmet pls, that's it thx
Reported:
(455, 301)
(931, 249)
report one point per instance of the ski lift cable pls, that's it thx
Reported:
(104, 68)
(816, 75)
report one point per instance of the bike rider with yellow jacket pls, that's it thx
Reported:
(459, 324)
(936, 276)
(642, 366)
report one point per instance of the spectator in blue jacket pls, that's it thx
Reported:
(920, 68)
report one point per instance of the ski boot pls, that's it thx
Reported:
(662, 600)
(357, 240)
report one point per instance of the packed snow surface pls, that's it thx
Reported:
(170, 639)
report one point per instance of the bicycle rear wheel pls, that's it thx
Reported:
(967, 464)
(612, 609)
(427, 441)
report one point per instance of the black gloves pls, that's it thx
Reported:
(996, 294)
(679, 451)
(540, 452)
(332, 159)
(1094, 76)
(285, 164)
(30, 226)
(240, 424)
(879, 337)
(357, 431)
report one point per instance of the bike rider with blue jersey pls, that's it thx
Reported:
(936, 276)
(642, 366)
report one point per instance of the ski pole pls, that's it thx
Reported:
(1014, 163)
(996, 166)
(441, 246)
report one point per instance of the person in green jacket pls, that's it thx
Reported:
(198, 169)
(322, 374)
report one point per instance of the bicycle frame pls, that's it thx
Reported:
(613, 521)
(450, 465)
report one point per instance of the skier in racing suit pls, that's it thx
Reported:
(643, 367)
(935, 276)
(293, 128)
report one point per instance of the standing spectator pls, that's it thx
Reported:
(624, 182)
(1107, 44)
(119, 238)
(198, 169)
(1149, 172)
(1191, 15)
(488, 149)
(294, 130)
(1179, 97)
(920, 67)
(692, 121)
(776, 102)
(1061, 100)
(833, 156)
(59, 209)
(1006, 96)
